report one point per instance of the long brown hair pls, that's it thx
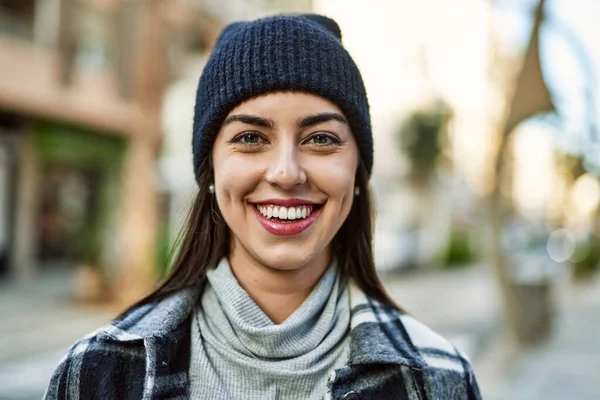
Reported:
(205, 240)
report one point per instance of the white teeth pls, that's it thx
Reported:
(291, 213)
(283, 213)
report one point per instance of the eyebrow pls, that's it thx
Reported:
(250, 120)
(320, 118)
(303, 122)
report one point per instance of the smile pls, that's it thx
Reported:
(284, 213)
(286, 220)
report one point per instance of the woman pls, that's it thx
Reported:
(274, 293)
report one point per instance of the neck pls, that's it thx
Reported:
(277, 292)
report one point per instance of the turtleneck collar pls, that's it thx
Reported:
(237, 321)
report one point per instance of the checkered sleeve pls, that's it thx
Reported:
(99, 369)
(473, 392)
(65, 381)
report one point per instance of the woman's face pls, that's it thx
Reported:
(284, 168)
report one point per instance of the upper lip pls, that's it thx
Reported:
(286, 202)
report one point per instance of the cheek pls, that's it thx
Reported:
(235, 176)
(335, 177)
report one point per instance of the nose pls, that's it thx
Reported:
(285, 169)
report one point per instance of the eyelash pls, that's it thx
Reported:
(334, 140)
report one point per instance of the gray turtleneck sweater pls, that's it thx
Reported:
(237, 352)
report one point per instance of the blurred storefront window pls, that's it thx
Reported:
(78, 193)
(5, 190)
(94, 39)
(8, 163)
(16, 18)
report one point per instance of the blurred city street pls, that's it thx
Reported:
(460, 304)
(486, 181)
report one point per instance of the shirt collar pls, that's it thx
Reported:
(378, 331)
(154, 319)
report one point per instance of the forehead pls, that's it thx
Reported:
(281, 105)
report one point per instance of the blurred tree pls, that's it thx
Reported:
(570, 165)
(420, 138)
(460, 251)
(586, 260)
(531, 96)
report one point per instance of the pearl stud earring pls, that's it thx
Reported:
(356, 191)
(211, 188)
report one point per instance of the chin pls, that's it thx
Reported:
(285, 257)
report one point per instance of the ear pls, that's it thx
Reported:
(325, 22)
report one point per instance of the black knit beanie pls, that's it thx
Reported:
(299, 53)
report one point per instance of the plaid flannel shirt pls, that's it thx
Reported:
(145, 355)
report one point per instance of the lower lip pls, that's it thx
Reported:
(286, 228)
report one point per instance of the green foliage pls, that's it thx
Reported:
(584, 264)
(569, 165)
(91, 245)
(459, 252)
(421, 135)
(78, 148)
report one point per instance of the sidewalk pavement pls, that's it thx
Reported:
(40, 320)
(460, 304)
(463, 306)
(566, 366)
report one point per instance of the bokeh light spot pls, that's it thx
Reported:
(561, 245)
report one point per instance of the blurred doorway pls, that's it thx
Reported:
(68, 211)
(8, 189)
(78, 186)
(17, 18)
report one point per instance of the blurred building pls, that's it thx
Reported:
(84, 86)
(68, 117)
(64, 126)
